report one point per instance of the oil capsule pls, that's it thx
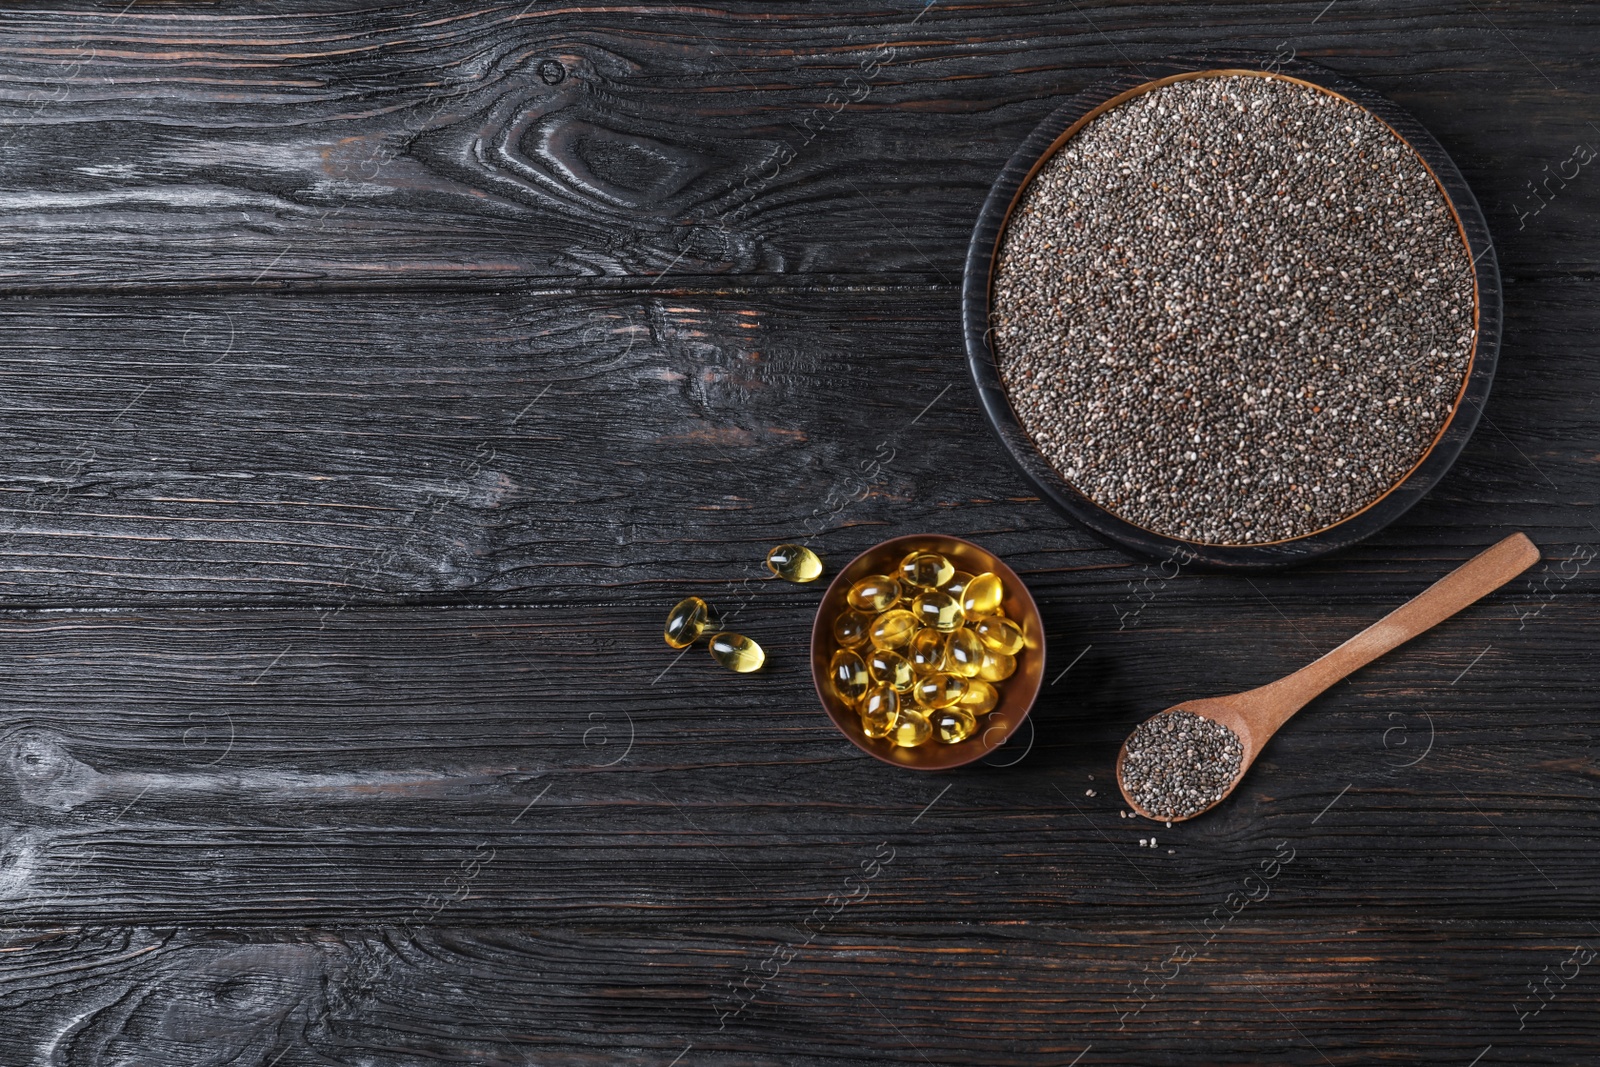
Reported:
(980, 697)
(880, 711)
(926, 570)
(874, 593)
(957, 585)
(997, 666)
(686, 622)
(938, 690)
(849, 674)
(893, 629)
(983, 595)
(912, 728)
(880, 721)
(890, 668)
(939, 610)
(963, 653)
(952, 725)
(794, 563)
(851, 628)
(999, 634)
(926, 651)
(737, 652)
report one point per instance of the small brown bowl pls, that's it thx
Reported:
(1017, 693)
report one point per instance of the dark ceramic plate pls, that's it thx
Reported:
(975, 295)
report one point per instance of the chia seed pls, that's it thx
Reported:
(1178, 764)
(1233, 309)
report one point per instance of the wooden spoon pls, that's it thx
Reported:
(1255, 715)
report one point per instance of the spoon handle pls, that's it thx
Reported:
(1474, 579)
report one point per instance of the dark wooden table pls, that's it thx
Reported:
(374, 378)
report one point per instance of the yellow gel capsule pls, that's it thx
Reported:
(874, 593)
(912, 728)
(980, 697)
(880, 709)
(686, 622)
(938, 690)
(891, 669)
(851, 628)
(999, 634)
(939, 610)
(983, 595)
(963, 653)
(849, 674)
(957, 585)
(926, 570)
(955, 724)
(794, 563)
(880, 721)
(893, 629)
(997, 666)
(737, 652)
(926, 651)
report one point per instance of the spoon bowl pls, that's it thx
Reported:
(1218, 709)
(1256, 714)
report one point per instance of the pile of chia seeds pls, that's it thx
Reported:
(1233, 309)
(1180, 763)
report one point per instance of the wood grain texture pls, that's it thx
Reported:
(317, 145)
(249, 767)
(1036, 995)
(552, 447)
(374, 377)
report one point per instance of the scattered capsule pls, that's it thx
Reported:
(794, 563)
(881, 704)
(980, 697)
(957, 585)
(926, 651)
(893, 629)
(849, 674)
(939, 610)
(891, 669)
(999, 634)
(851, 628)
(737, 652)
(997, 666)
(880, 721)
(983, 595)
(912, 728)
(953, 724)
(874, 593)
(963, 653)
(926, 570)
(939, 690)
(686, 622)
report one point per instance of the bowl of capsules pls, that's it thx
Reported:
(927, 652)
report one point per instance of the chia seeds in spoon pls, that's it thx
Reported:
(1234, 309)
(1178, 764)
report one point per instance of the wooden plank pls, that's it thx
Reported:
(337, 728)
(1041, 995)
(277, 766)
(322, 145)
(612, 447)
